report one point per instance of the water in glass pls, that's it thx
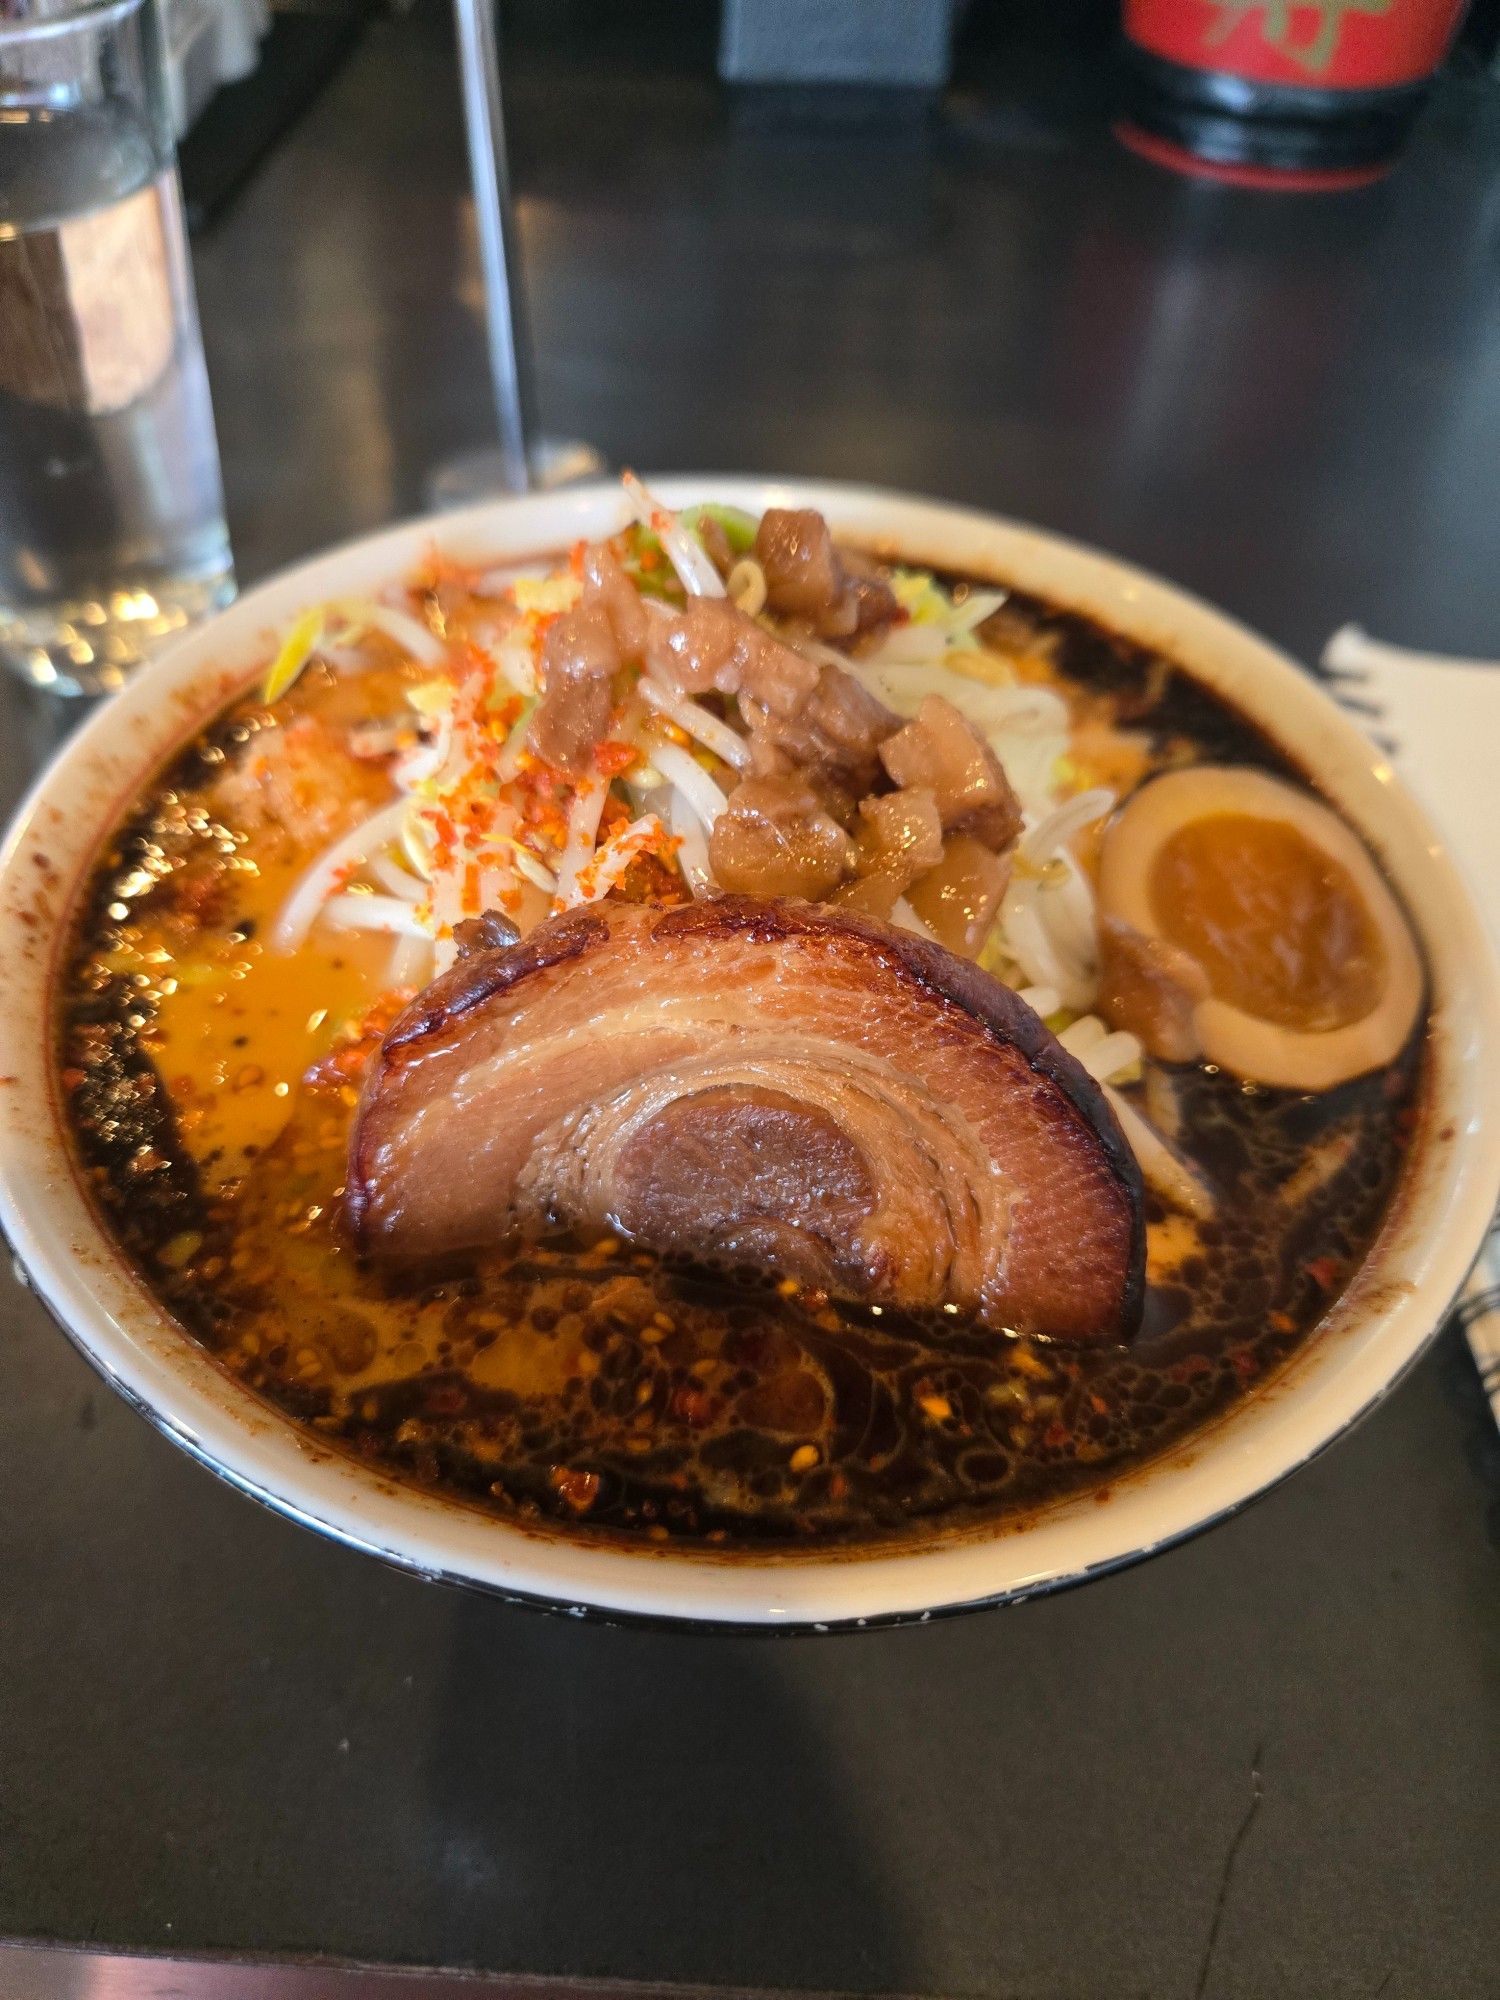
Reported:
(112, 530)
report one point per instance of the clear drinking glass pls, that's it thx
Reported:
(112, 528)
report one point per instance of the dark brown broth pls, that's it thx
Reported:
(688, 1405)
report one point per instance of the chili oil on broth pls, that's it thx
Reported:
(584, 1384)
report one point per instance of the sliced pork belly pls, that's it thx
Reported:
(768, 1084)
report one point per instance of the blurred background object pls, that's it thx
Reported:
(1305, 95)
(903, 43)
(112, 532)
(209, 42)
(232, 129)
(518, 458)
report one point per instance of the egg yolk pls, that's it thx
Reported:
(1277, 925)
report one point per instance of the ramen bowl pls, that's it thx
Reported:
(1370, 1336)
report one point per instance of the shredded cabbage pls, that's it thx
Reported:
(739, 527)
(547, 594)
(343, 623)
(297, 648)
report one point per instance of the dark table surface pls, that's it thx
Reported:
(1263, 1764)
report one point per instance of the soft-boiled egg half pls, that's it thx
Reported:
(1305, 969)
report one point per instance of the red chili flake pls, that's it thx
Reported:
(1281, 1322)
(345, 1062)
(612, 758)
(1098, 1405)
(540, 779)
(579, 1490)
(649, 560)
(1244, 1363)
(437, 568)
(693, 1405)
(1324, 1271)
(1189, 1368)
(575, 557)
(1056, 1435)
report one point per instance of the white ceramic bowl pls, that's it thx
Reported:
(1368, 1340)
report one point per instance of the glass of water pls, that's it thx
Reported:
(112, 531)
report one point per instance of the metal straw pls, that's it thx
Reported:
(505, 312)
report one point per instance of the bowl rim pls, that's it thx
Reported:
(1368, 1341)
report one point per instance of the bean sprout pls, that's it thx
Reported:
(509, 760)
(410, 962)
(1107, 1057)
(1029, 941)
(692, 855)
(971, 612)
(400, 881)
(727, 744)
(614, 858)
(1043, 1000)
(697, 787)
(1086, 1033)
(300, 910)
(1067, 909)
(1059, 826)
(1164, 1168)
(583, 824)
(687, 556)
(527, 864)
(351, 912)
(405, 631)
(903, 914)
(911, 645)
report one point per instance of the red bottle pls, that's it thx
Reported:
(1300, 94)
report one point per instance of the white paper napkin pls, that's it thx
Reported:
(1439, 720)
